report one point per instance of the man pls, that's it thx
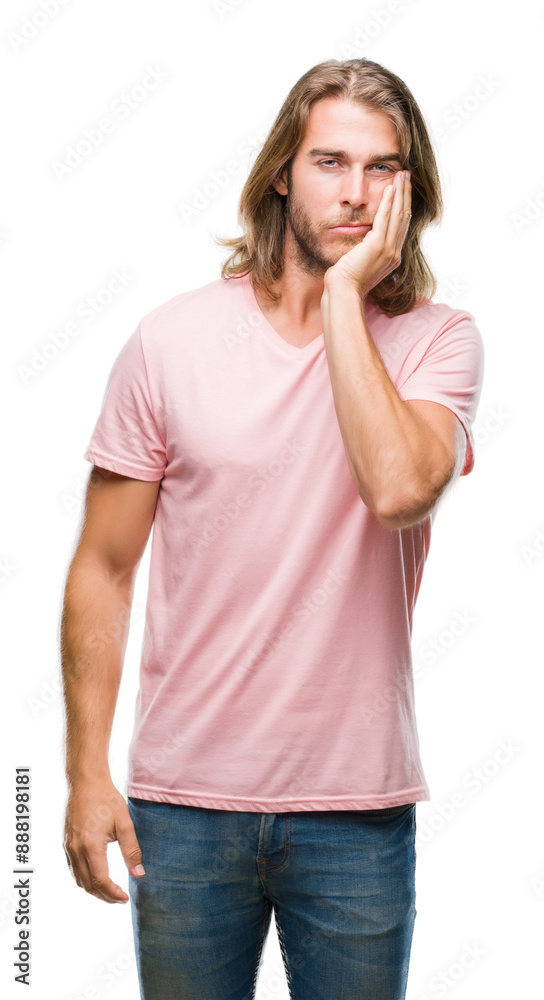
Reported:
(290, 429)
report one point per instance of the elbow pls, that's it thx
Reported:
(404, 518)
(414, 506)
(398, 515)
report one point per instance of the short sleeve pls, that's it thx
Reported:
(126, 438)
(451, 372)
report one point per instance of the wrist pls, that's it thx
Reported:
(87, 774)
(338, 285)
(340, 294)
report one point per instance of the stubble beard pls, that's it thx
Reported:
(308, 250)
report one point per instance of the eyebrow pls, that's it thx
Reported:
(344, 155)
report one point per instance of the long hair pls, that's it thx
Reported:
(261, 212)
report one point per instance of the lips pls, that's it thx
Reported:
(358, 227)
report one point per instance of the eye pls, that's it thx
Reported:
(387, 169)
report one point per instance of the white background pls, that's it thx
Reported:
(480, 865)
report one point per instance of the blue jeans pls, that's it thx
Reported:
(342, 885)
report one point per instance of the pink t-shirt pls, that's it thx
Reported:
(276, 669)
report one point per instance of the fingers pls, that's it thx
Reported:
(405, 191)
(407, 208)
(97, 880)
(382, 219)
(401, 213)
(393, 217)
(128, 842)
(95, 812)
(89, 866)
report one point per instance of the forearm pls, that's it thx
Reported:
(397, 463)
(94, 630)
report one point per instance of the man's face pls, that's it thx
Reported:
(337, 176)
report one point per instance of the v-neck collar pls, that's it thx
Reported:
(301, 353)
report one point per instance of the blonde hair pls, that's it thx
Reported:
(261, 212)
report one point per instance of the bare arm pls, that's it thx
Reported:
(94, 630)
(397, 459)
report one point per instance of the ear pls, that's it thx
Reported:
(279, 183)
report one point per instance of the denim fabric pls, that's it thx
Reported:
(341, 883)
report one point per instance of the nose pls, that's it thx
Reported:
(354, 188)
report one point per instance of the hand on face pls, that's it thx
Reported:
(379, 252)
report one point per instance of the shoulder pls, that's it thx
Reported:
(186, 304)
(428, 321)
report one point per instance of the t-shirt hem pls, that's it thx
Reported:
(121, 466)
(237, 804)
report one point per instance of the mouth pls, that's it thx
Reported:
(353, 228)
